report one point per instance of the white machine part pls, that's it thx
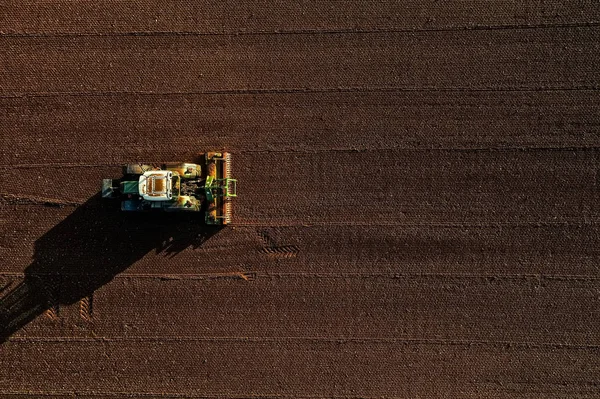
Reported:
(156, 185)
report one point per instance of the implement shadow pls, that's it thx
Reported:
(87, 250)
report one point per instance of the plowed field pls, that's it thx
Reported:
(418, 211)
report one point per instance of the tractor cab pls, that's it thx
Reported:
(158, 185)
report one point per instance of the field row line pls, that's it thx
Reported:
(305, 90)
(176, 395)
(296, 339)
(253, 275)
(307, 31)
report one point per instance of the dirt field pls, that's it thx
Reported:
(417, 214)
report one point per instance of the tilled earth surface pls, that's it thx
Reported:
(417, 212)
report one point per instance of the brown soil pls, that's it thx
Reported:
(417, 212)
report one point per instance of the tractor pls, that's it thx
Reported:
(177, 187)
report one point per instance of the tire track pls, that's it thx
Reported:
(270, 247)
(86, 308)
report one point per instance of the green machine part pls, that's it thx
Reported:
(226, 186)
(130, 187)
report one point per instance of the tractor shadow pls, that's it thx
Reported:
(87, 250)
